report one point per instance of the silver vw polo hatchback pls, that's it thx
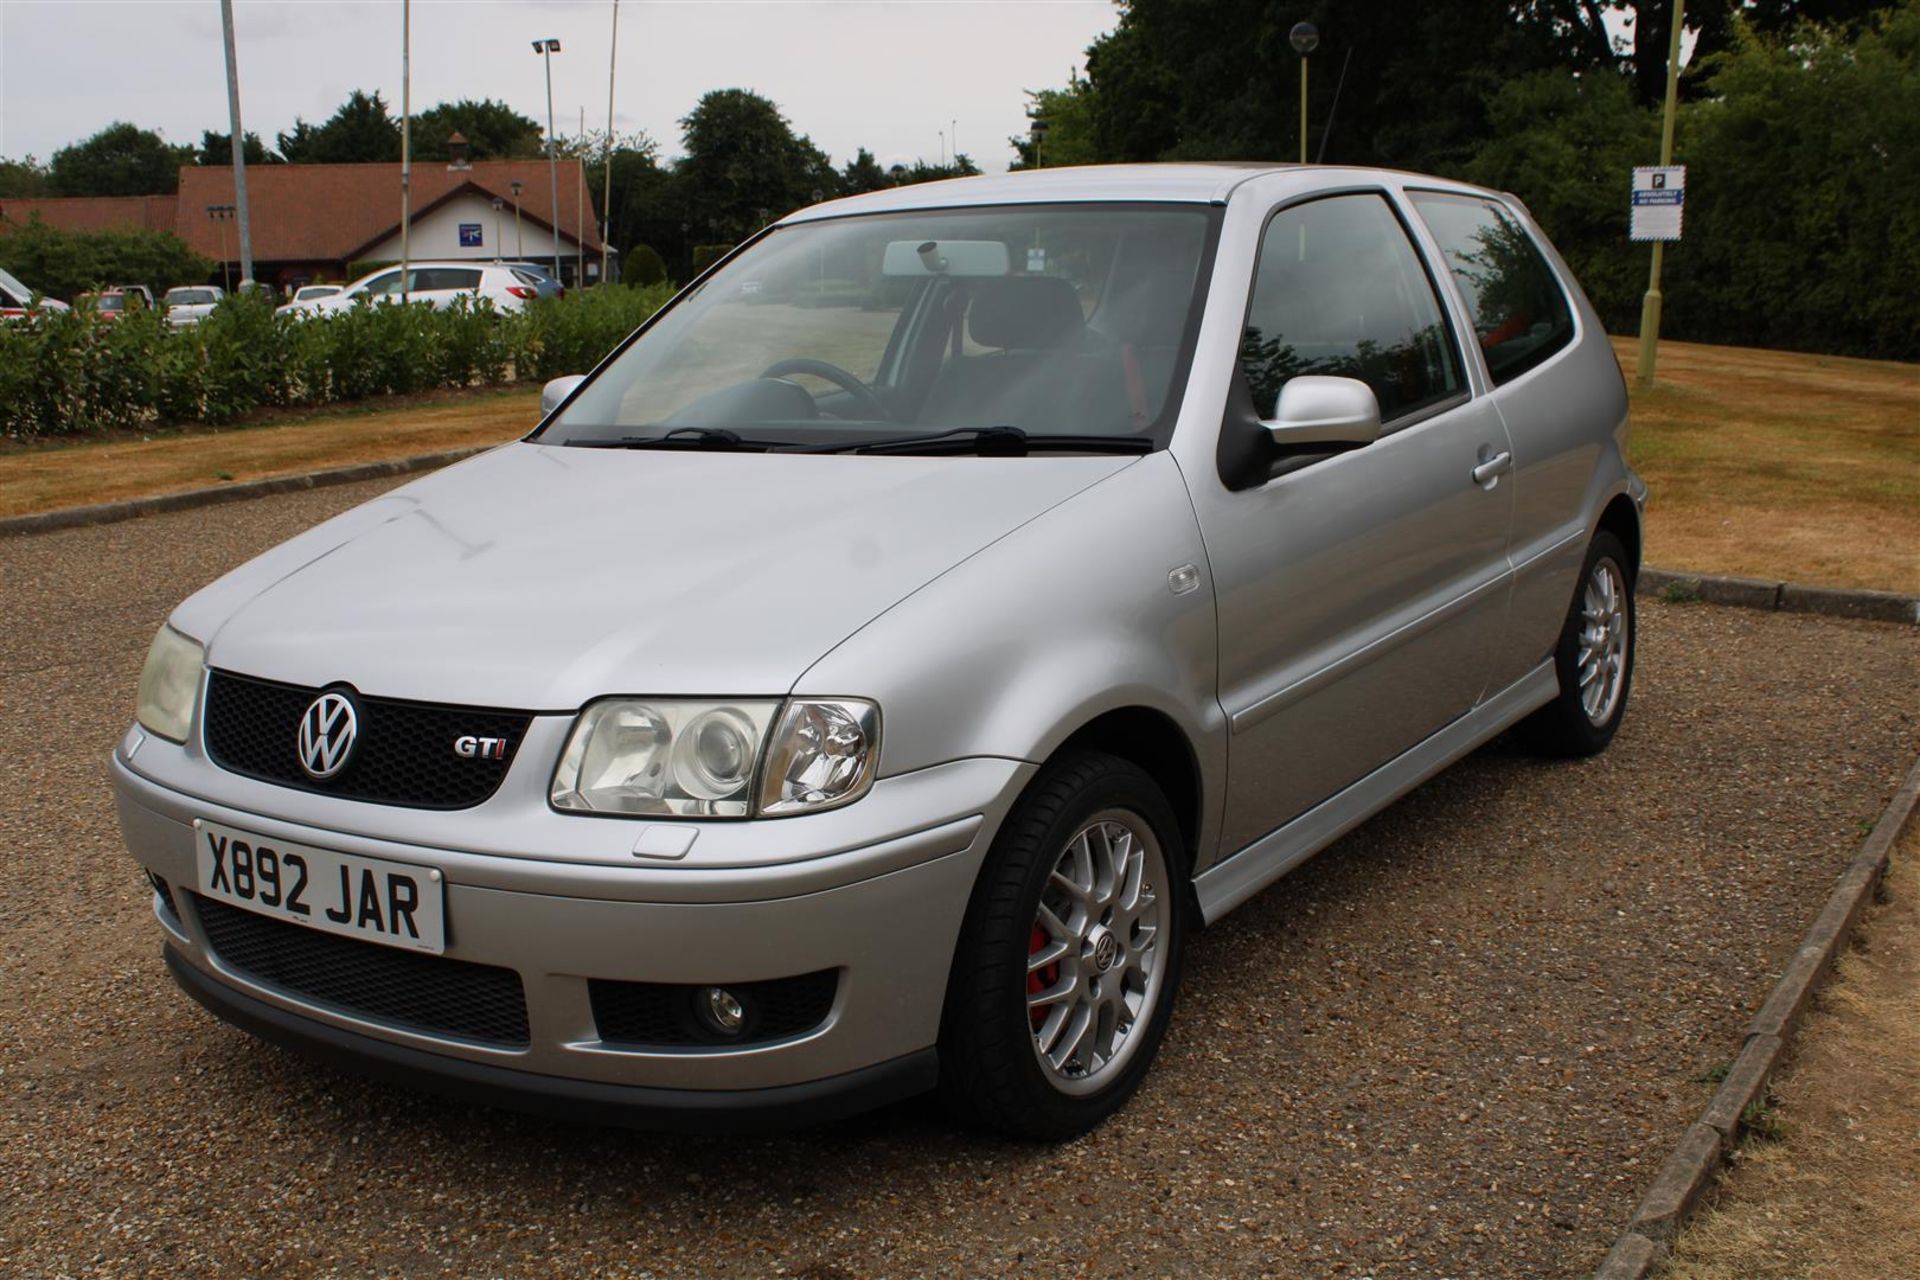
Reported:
(864, 680)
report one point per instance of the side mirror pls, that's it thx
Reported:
(1324, 413)
(560, 388)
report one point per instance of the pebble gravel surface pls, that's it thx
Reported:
(1458, 1044)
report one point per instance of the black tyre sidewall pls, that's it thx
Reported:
(989, 1072)
(1562, 727)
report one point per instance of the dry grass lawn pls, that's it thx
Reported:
(1772, 464)
(79, 474)
(1768, 464)
(1837, 1197)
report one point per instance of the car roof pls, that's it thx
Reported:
(1211, 182)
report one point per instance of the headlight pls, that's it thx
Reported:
(669, 757)
(823, 756)
(168, 685)
(664, 757)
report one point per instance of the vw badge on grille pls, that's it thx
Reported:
(326, 735)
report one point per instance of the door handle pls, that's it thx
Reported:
(1492, 469)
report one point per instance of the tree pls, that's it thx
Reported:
(217, 148)
(493, 130)
(1068, 114)
(1565, 142)
(120, 160)
(1802, 230)
(64, 263)
(745, 166)
(360, 132)
(863, 174)
(22, 179)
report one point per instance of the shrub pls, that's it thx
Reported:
(63, 263)
(68, 373)
(642, 265)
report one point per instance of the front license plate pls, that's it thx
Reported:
(372, 899)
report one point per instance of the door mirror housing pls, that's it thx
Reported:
(559, 389)
(1323, 414)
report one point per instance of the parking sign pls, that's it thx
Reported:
(469, 235)
(1659, 199)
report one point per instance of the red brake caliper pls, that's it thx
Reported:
(1042, 978)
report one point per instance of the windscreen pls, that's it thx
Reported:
(1057, 320)
(189, 297)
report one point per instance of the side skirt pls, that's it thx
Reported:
(1239, 876)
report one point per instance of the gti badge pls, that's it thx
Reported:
(326, 735)
(468, 747)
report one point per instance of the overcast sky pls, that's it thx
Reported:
(889, 75)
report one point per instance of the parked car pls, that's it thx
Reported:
(189, 304)
(438, 284)
(111, 304)
(305, 295)
(543, 281)
(823, 705)
(18, 301)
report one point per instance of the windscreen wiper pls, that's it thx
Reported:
(989, 442)
(718, 439)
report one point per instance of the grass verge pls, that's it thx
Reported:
(82, 473)
(1766, 464)
(1774, 464)
(1835, 1191)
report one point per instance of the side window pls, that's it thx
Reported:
(429, 279)
(1519, 310)
(382, 285)
(1340, 290)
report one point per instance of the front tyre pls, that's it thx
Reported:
(1064, 977)
(1594, 658)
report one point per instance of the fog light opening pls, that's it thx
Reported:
(721, 1011)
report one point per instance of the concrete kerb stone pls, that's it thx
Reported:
(133, 508)
(1682, 1180)
(1690, 1169)
(1632, 1257)
(1746, 1084)
(1759, 593)
(1745, 593)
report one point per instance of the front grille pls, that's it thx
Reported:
(409, 989)
(665, 1014)
(403, 753)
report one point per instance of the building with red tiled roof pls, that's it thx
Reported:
(313, 221)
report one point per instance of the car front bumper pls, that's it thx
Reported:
(877, 898)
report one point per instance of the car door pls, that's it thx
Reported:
(1361, 595)
(1522, 322)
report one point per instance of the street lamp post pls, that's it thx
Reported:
(1650, 305)
(222, 214)
(606, 196)
(1038, 132)
(238, 151)
(519, 243)
(1305, 38)
(499, 250)
(546, 49)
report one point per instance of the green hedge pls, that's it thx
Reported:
(69, 373)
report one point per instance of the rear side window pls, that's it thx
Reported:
(1341, 291)
(1520, 313)
(430, 278)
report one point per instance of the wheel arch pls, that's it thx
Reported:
(1152, 741)
(1621, 518)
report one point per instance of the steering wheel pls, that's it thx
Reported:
(837, 376)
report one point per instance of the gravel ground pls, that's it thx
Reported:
(1458, 1044)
